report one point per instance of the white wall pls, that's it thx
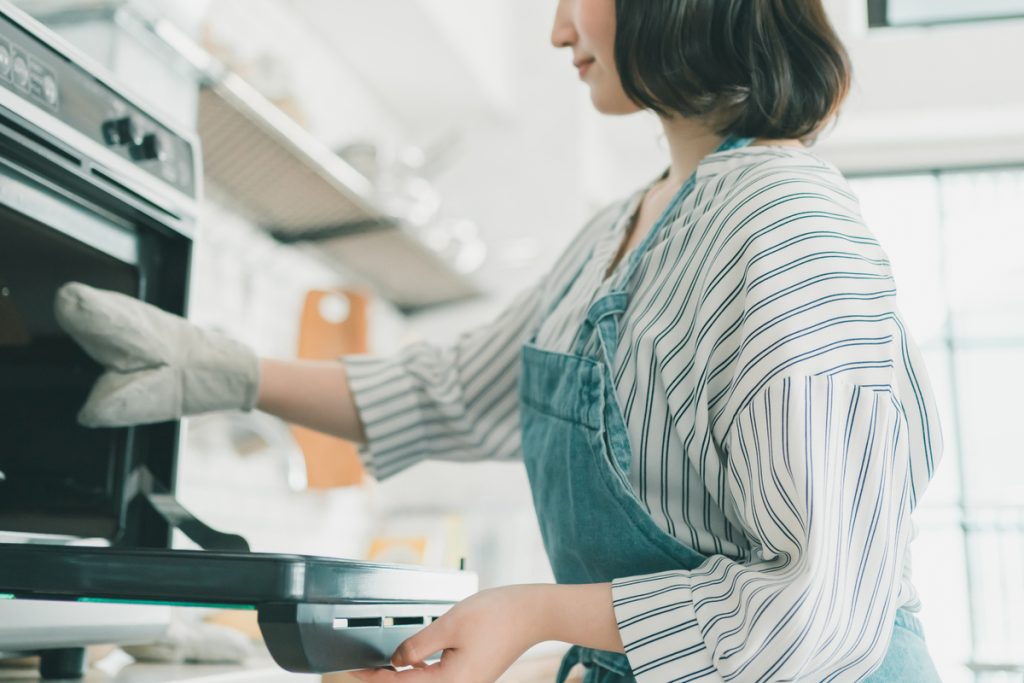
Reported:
(930, 97)
(922, 98)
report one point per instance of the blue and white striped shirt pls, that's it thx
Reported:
(780, 413)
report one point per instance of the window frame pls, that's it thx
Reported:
(973, 515)
(878, 17)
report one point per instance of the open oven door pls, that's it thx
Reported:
(316, 614)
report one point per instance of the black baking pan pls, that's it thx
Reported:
(316, 614)
(222, 578)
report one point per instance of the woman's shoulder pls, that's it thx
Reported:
(784, 205)
(760, 170)
(753, 188)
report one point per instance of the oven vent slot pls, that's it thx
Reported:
(378, 622)
(134, 195)
(358, 622)
(23, 132)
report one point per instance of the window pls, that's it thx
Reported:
(954, 238)
(926, 12)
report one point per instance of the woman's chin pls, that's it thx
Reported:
(616, 104)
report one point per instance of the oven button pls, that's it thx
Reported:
(121, 131)
(148, 149)
(20, 72)
(50, 90)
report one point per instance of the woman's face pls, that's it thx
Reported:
(588, 28)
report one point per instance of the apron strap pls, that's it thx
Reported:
(730, 143)
(602, 314)
(553, 304)
(603, 317)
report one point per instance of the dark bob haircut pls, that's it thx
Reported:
(771, 69)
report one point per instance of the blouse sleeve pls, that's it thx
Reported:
(820, 467)
(458, 403)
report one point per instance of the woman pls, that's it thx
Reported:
(725, 423)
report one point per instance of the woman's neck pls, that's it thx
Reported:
(689, 141)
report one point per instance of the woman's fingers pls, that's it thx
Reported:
(416, 649)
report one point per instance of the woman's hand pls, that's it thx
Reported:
(482, 636)
(158, 366)
(478, 639)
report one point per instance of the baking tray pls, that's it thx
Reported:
(221, 578)
(316, 614)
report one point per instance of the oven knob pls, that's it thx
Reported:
(5, 61)
(148, 148)
(121, 131)
(21, 72)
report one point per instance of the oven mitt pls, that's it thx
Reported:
(159, 366)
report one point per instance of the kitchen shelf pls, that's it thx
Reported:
(64, 10)
(286, 181)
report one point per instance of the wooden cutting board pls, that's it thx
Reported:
(334, 323)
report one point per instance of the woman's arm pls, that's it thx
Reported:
(458, 402)
(580, 614)
(314, 394)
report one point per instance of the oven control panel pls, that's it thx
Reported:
(38, 72)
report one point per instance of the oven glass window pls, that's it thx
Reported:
(57, 477)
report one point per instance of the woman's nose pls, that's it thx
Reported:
(563, 33)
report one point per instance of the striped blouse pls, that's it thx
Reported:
(780, 414)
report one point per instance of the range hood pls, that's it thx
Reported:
(287, 182)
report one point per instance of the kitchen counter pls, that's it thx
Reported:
(538, 666)
(172, 673)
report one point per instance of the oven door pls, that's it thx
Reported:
(56, 477)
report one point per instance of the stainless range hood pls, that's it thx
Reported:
(284, 180)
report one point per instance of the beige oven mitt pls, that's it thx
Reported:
(159, 366)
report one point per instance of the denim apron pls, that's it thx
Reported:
(577, 455)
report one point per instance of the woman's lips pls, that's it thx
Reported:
(584, 66)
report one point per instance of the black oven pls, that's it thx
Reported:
(95, 187)
(63, 217)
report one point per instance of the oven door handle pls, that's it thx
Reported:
(162, 501)
(208, 538)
